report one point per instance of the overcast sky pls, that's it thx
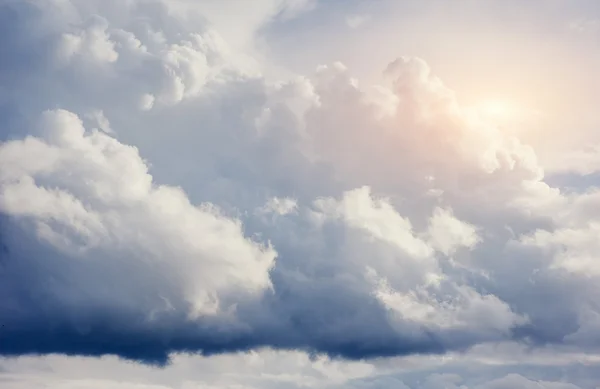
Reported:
(299, 194)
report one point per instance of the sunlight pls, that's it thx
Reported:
(497, 109)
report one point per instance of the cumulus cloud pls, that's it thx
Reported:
(582, 162)
(90, 201)
(270, 369)
(161, 194)
(95, 193)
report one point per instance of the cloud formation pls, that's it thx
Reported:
(161, 193)
(277, 369)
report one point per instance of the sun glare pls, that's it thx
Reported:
(497, 109)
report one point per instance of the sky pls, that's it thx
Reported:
(328, 194)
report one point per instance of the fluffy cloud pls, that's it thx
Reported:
(117, 244)
(161, 193)
(270, 369)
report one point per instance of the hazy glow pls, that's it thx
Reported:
(498, 109)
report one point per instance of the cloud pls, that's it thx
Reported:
(161, 194)
(585, 26)
(515, 380)
(270, 369)
(279, 206)
(115, 241)
(355, 21)
(447, 234)
(581, 162)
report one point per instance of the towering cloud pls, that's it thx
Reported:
(161, 193)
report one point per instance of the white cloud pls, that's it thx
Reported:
(176, 197)
(267, 369)
(376, 217)
(90, 196)
(92, 42)
(447, 234)
(582, 162)
(280, 206)
(515, 380)
(464, 308)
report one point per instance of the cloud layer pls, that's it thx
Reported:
(161, 192)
